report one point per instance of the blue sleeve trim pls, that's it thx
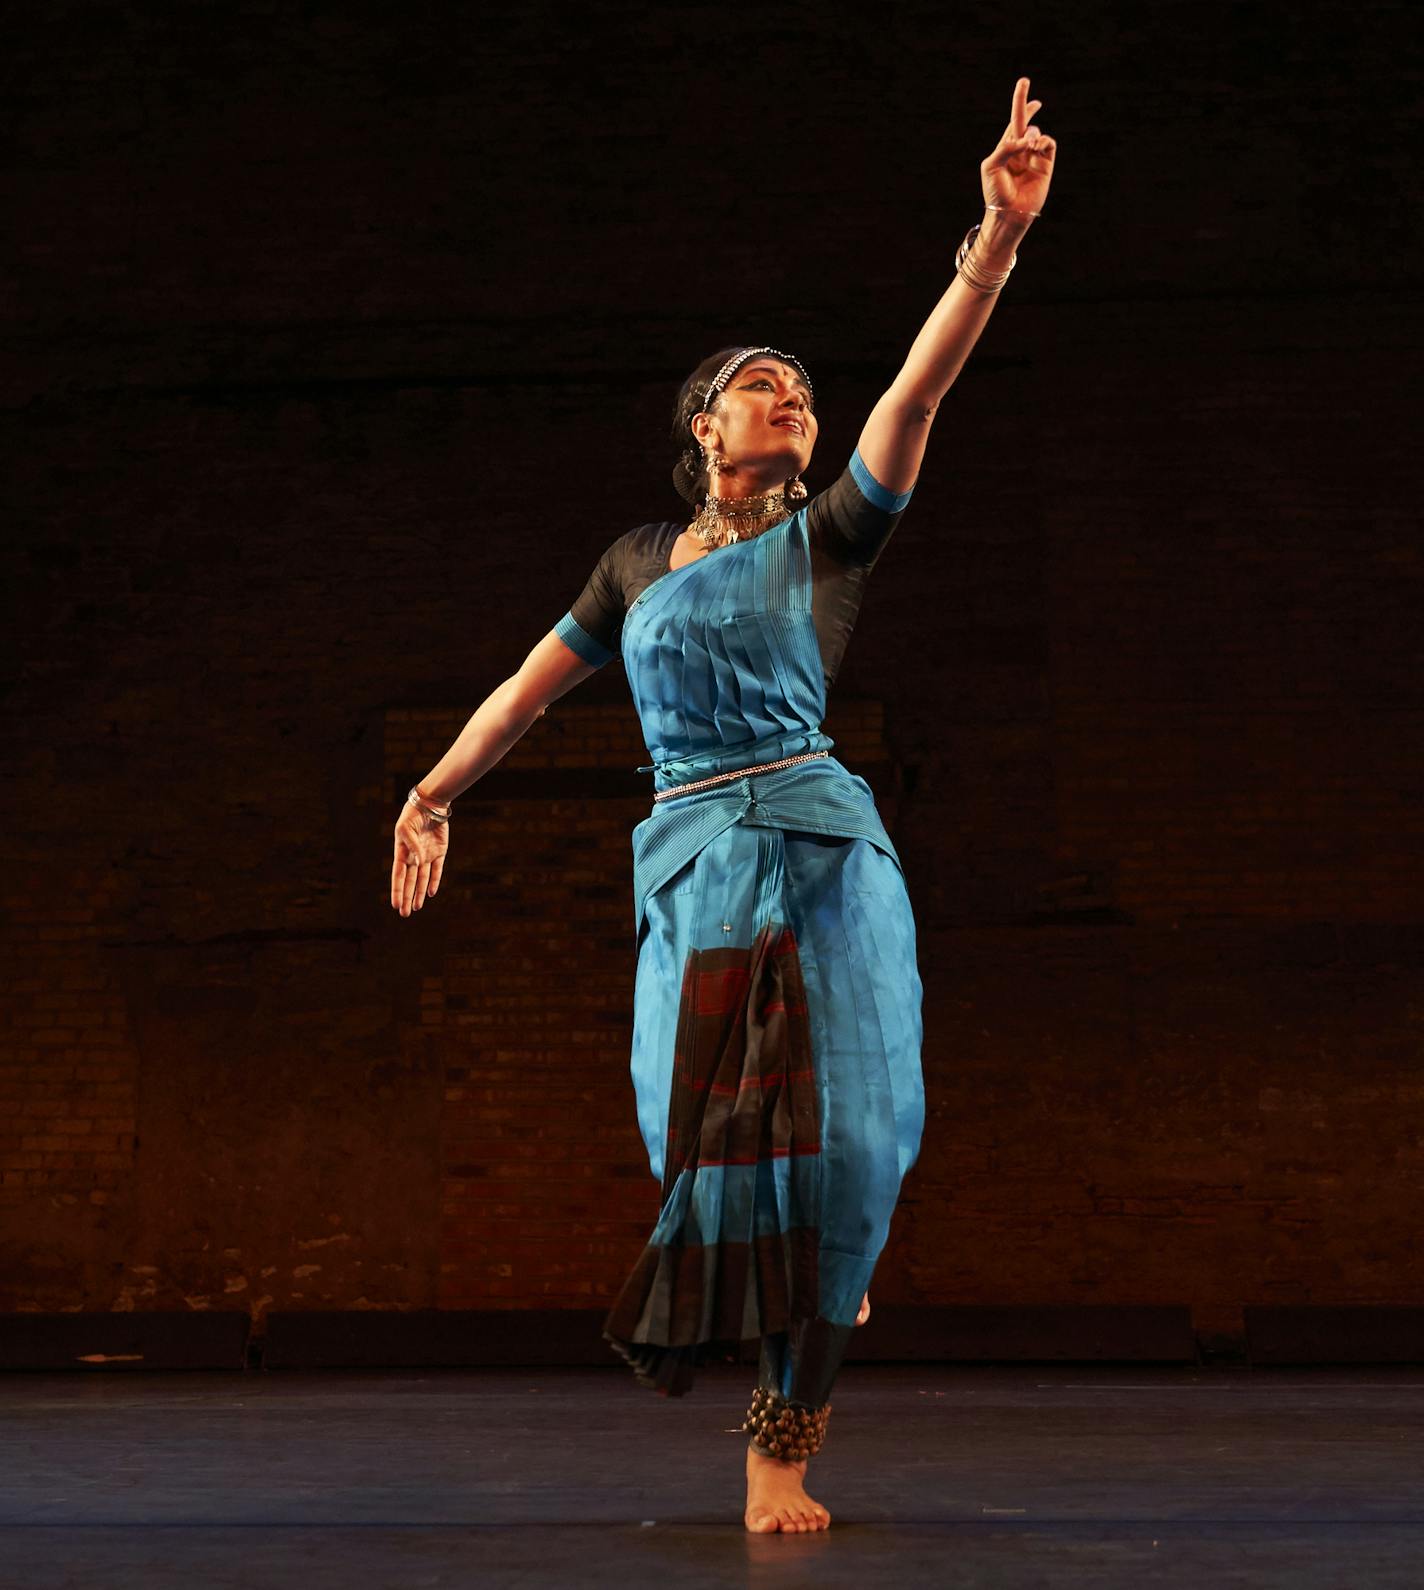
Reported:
(873, 491)
(578, 640)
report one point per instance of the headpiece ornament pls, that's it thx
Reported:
(730, 368)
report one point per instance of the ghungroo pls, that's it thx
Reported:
(782, 1429)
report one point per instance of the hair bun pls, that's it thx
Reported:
(686, 477)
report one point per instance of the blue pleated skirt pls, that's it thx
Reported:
(776, 1064)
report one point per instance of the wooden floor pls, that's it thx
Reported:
(1029, 1475)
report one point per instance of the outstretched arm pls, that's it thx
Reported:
(504, 716)
(421, 840)
(1015, 178)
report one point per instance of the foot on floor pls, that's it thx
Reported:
(777, 1499)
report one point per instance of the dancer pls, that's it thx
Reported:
(776, 1029)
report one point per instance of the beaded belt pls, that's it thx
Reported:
(740, 772)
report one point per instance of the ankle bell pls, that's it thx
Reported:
(782, 1429)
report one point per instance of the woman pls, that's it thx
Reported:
(776, 1029)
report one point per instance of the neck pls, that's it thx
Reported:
(750, 478)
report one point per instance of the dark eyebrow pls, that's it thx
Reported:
(772, 371)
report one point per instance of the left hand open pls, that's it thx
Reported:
(1017, 174)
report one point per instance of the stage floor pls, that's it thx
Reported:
(1061, 1476)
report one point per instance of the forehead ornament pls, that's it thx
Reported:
(737, 360)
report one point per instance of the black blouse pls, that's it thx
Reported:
(848, 526)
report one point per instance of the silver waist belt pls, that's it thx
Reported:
(740, 772)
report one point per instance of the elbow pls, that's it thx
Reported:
(914, 407)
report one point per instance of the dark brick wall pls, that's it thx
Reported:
(337, 350)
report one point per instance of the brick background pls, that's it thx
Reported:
(337, 350)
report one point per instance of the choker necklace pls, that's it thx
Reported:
(721, 520)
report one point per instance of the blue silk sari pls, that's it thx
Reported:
(777, 1010)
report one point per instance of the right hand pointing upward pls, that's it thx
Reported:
(421, 843)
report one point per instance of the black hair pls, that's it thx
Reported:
(689, 473)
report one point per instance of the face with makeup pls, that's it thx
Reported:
(763, 423)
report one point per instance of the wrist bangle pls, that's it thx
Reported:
(434, 813)
(973, 272)
(971, 269)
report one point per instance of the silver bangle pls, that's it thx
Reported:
(416, 799)
(973, 272)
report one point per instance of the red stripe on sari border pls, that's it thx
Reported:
(775, 1079)
(761, 1159)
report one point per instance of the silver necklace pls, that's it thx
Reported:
(721, 520)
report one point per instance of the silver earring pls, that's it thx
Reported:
(795, 489)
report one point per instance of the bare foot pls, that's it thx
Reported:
(777, 1499)
(864, 1314)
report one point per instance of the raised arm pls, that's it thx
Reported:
(504, 716)
(1015, 179)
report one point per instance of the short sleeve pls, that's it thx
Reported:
(853, 519)
(593, 625)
